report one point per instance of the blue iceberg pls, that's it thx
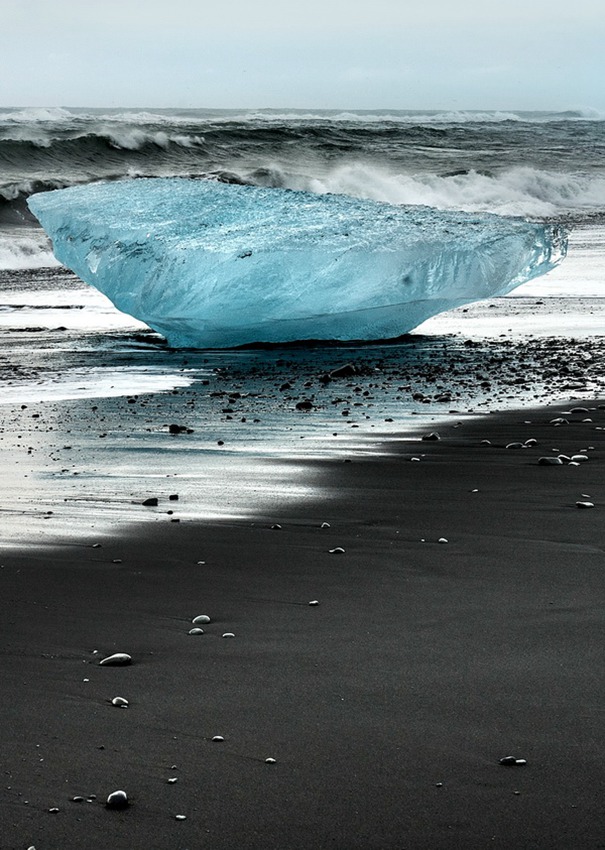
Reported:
(210, 264)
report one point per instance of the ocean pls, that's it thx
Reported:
(542, 165)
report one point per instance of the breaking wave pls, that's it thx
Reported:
(512, 163)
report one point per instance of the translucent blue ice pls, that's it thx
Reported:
(213, 265)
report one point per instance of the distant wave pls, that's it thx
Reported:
(540, 165)
(58, 115)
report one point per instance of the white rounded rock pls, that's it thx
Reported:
(196, 631)
(120, 702)
(584, 504)
(228, 635)
(118, 659)
(117, 800)
(338, 550)
(201, 618)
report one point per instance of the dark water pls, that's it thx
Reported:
(539, 164)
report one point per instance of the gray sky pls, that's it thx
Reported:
(364, 54)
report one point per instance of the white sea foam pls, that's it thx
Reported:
(31, 250)
(134, 139)
(516, 191)
(36, 114)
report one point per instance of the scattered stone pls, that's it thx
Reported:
(270, 761)
(228, 635)
(174, 497)
(433, 436)
(218, 738)
(584, 504)
(485, 443)
(515, 446)
(54, 810)
(96, 545)
(579, 458)
(346, 371)
(314, 602)
(120, 702)
(276, 527)
(531, 442)
(77, 799)
(305, 404)
(172, 779)
(325, 525)
(151, 502)
(117, 800)
(550, 461)
(201, 618)
(196, 631)
(512, 761)
(116, 561)
(118, 659)
(180, 817)
(337, 551)
(443, 540)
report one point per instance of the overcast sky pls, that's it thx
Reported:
(364, 54)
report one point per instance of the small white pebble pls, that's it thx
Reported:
(443, 540)
(201, 562)
(314, 602)
(196, 631)
(228, 635)
(117, 561)
(180, 817)
(584, 504)
(325, 525)
(201, 618)
(117, 800)
(337, 551)
(118, 659)
(218, 738)
(120, 702)
(172, 780)
(270, 761)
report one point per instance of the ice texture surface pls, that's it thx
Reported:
(209, 264)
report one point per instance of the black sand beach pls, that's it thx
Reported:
(387, 707)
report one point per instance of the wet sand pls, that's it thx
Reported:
(386, 707)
